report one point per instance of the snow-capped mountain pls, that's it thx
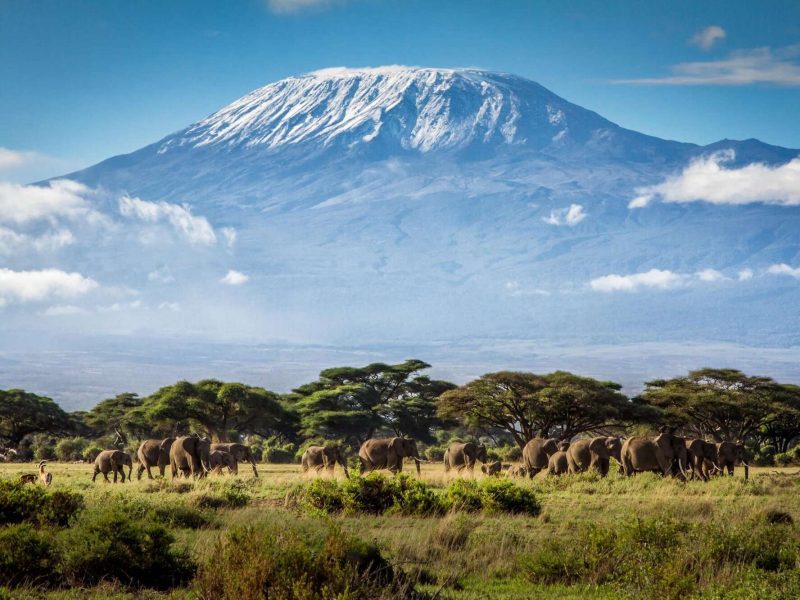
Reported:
(417, 205)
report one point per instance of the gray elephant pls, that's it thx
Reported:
(190, 455)
(218, 460)
(240, 453)
(153, 453)
(558, 463)
(536, 454)
(492, 468)
(702, 458)
(464, 456)
(674, 449)
(594, 453)
(729, 454)
(643, 454)
(324, 457)
(112, 461)
(388, 453)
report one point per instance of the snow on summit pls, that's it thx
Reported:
(413, 108)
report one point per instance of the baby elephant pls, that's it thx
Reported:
(219, 460)
(517, 471)
(493, 468)
(112, 461)
(558, 463)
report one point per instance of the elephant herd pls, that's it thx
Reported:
(190, 456)
(666, 454)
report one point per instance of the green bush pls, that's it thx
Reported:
(434, 453)
(502, 495)
(27, 556)
(464, 495)
(284, 561)
(34, 504)
(70, 449)
(114, 543)
(91, 452)
(322, 495)
(371, 494)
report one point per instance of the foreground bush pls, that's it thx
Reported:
(27, 556)
(34, 504)
(671, 559)
(377, 494)
(287, 562)
(114, 543)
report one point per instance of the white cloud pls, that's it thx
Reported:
(516, 290)
(709, 36)
(27, 286)
(570, 216)
(710, 275)
(784, 269)
(234, 278)
(707, 180)
(742, 67)
(62, 310)
(171, 306)
(654, 278)
(285, 7)
(12, 159)
(196, 229)
(12, 242)
(61, 198)
(121, 306)
(745, 274)
(229, 233)
(162, 274)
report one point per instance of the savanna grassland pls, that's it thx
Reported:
(288, 535)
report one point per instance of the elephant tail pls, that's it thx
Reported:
(304, 462)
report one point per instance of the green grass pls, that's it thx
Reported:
(484, 554)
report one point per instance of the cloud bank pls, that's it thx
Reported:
(20, 204)
(707, 180)
(654, 278)
(194, 228)
(784, 269)
(742, 67)
(32, 286)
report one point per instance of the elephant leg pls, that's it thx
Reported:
(105, 476)
(362, 468)
(122, 473)
(255, 471)
(139, 470)
(114, 469)
(96, 471)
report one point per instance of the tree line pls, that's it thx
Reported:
(351, 404)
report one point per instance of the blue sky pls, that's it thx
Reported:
(84, 80)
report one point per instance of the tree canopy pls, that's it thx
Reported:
(23, 413)
(528, 405)
(354, 403)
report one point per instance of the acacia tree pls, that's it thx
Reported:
(527, 405)
(355, 403)
(118, 415)
(782, 425)
(219, 408)
(725, 404)
(23, 413)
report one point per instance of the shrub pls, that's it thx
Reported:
(27, 556)
(502, 495)
(434, 453)
(70, 449)
(464, 495)
(416, 498)
(91, 452)
(34, 504)
(114, 543)
(284, 561)
(371, 494)
(322, 495)
(223, 494)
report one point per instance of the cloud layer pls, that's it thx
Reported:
(32, 286)
(742, 67)
(20, 204)
(570, 216)
(194, 228)
(707, 180)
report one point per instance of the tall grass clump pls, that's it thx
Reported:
(27, 556)
(34, 504)
(293, 563)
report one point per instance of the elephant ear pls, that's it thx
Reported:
(399, 444)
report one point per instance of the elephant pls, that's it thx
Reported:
(536, 454)
(702, 457)
(240, 453)
(190, 455)
(674, 449)
(594, 453)
(324, 457)
(516, 471)
(492, 468)
(153, 453)
(388, 453)
(730, 453)
(115, 461)
(219, 459)
(558, 464)
(643, 454)
(463, 456)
